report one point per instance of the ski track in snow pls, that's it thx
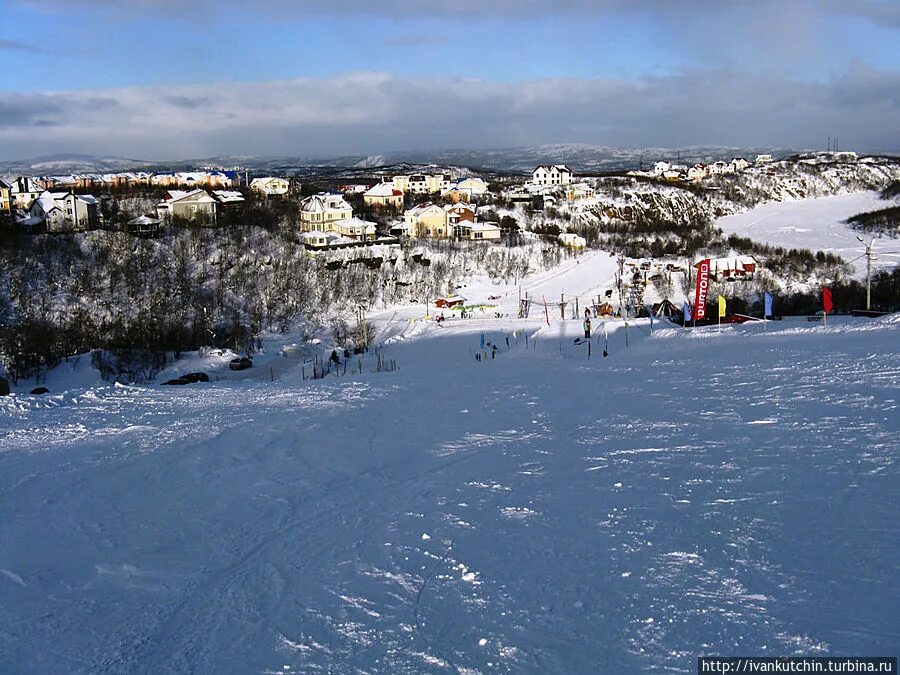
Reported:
(698, 493)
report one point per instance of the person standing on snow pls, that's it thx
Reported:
(587, 327)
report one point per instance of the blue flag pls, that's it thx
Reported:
(482, 340)
(687, 311)
(768, 302)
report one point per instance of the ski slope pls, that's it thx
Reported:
(698, 492)
(818, 225)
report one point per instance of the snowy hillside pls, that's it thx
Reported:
(696, 492)
(815, 224)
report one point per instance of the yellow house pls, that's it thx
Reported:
(427, 220)
(5, 198)
(384, 196)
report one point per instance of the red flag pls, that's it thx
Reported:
(826, 300)
(702, 288)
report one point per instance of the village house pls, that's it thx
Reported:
(457, 213)
(466, 230)
(426, 220)
(739, 164)
(195, 205)
(270, 187)
(572, 240)
(698, 172)
(321, 212)
(579, 191)
(720, 168)
(63, 212)
(659, 168)
(5, 196)
(733, 268)
(384, 196)
(314, 240)
(764, 159)
(558, 174)
(23, 191)
(356, 229)
(422, 184)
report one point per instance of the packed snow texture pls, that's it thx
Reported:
(817, 225)
(698, 492)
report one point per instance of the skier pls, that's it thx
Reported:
(587, 327)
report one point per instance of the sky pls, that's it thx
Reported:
(167, 79)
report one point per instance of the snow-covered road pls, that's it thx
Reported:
(696, 493)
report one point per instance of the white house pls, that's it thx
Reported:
(477, 231)
(64, 211)
(270, 186)
(661, 167)
(23, 191)
(193, 205)
(739, 164)
(356, 229)
(558, 174)
(321, 212)
(720, 167)
(764, 159)
(320, 239)
(422, 183)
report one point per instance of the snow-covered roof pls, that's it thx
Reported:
(173, 196)
(228, 196)
(384, 190)
(323, 202)
(419, 209)
(144, 220)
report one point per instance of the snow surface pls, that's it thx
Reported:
(697, 492)
(818, 225)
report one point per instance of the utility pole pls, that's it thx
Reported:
(869, 259)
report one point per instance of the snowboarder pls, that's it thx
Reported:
(587, 327)
(494, 352)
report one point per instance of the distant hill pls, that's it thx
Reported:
(580, 157)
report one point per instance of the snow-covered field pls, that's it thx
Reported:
(696, 492)
(818, 225)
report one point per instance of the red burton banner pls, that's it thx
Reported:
(702, 289)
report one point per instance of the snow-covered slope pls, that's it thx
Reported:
(697, 492)
(815, 224)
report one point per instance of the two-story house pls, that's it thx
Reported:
(558, 174)
(321, 212)
(64, 212)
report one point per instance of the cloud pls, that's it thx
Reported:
(16, 46)
(371, 112)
